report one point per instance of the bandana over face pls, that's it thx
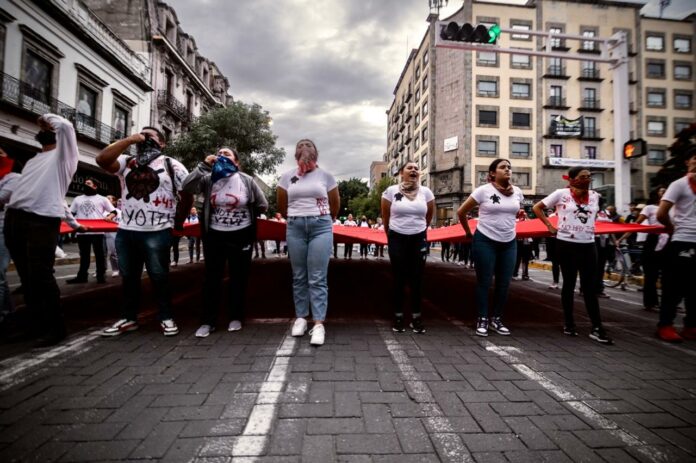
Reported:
(223, 168)
(148, 151)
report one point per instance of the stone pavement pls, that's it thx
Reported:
(367, 395)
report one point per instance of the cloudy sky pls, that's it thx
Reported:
(325, 70)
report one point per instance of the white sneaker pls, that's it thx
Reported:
(120, 327)
(115, 273)
(299, 328)
(318, 333)
(169, 327)
(235, 325)
(204, 331)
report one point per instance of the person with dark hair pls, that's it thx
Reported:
(32, 222)
(407, 209)
(231, 203)
(152, 204)
(576, 208)
(680, 254)
(494, 246)
(308, 196)
(194, 242)
(91, 206)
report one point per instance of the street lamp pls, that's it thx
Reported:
(437, 5)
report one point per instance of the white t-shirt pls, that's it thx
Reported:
(148, 202)
(308, 195)
(408, 217)
(94, 207)
(497, 212)
(46, 177)
(576, 222)
(680, 194)
(229, 204)
(650, 213)
(7, 186)
(350, 223)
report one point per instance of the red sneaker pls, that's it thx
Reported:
(668, 334)
(689, 333)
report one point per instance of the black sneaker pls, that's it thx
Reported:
(482, 327)
(398, 326)
(569, 331)
(497, 325)
(417, 326)
(598, 334)
(76, 280)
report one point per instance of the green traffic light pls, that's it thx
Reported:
(493, 33)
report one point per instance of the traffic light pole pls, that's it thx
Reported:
(614, 51)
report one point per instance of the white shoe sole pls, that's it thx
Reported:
(480, 334)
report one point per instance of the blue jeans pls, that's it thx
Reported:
(310, 243)
(492, 257)
(135, 248)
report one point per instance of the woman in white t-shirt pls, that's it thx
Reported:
(231, 202)
(407, 209)
(308, 197)
(576, 208)
(494, 247)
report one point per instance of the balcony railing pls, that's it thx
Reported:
(556, 71)
(590, 103)
(35, 101)
(591, 133)
(556, 102)
(589, 73)
(178, 109)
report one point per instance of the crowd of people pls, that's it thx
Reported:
(157, 194)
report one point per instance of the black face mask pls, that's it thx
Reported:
(89, 191)
(147, 151)
(46, 137)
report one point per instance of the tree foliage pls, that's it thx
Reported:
(243, 127)
(350, 189)
(369, 205)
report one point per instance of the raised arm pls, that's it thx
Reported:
(107, 159)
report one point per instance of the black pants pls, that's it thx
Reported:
(175, 248)
(604, 254)
(363, 250)
(233, 248)
(445, 250)
(407, 254)
(580, 258)
(652, 263)
(524, 253)
(553, 257)
(348, 250)
(87, 243)
(194, 242)
(678, 283)
(32, 240)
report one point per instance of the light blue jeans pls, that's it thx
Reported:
(310, 244)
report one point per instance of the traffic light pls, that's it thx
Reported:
(634, 149)
(469, 33)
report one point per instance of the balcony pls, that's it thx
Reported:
(590, 47)
(590, 74)
(591, 134)
(167, 101)
(32, 102)
(556, 102)
(556, 72)
(590, 104)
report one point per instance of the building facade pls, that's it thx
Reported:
(57, 56)
(378, 170)
(455, 111)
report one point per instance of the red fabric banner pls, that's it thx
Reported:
(275, 231)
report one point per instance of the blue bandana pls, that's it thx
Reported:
(223, 168)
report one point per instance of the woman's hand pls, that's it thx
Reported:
(551, 229)
(210, 159)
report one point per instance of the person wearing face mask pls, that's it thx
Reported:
(308, 196)
(363, 246)
(94, 206)
(576, 208)
(32, 222)
(152, 205)
(494, 245)
(231, 203)
(407, 209)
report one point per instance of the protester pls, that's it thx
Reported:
(576, 207)
(524, 252)
(152, 204)
(407, 209)
(363, 246)
(680, 254)
(379, 248)
(348, 247)
(8, 181)
(494, 247)
(91, 206)
(308, 196)
(110, 238)
(231, 203)
(194, 242)
(257, 244)
(605, 248)
(335, 243)
(551, 245)
(32, 222)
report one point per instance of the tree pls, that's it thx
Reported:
(371, 204)
(674, 168)
(246, 128)
(349, 189)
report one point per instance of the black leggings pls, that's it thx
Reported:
(580, 258)
(407, 254)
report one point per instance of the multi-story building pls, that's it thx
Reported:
(185, 83)
(454, 111)
(57, 56)
(378, 170)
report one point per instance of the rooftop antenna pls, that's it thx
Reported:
(436, 5)
(664, 4)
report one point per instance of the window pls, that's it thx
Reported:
(681, 125)
(37, 77)
(519, 150)
(520, 61)
(424, 160)
(521, 120)
(556, 95)
(418, 95)
(417, 72)
(425, 82)
(425, 58)
(597, 179)
(86, 105)
(416, 142)
(487, 58)
(424, 135)
(488, 117)
(654, 42)
(425, 109)
(120, 122)
(481, 177)
(656, 98)
(418, 119)
(588, 44)
(556, 151)
(520, 90)
(682, 71)
(520, 27)
(487, 148)
(521, 179)
(589, 70)
(487, 88)
(590, 127)
(590, 152)
(656, 69)
(682, 100)
(556, 41)
(656, 156)
(682, 45)
(656, 128)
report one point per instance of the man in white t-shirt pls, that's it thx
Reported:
(152, 204)
(680, 254)
(91, 206)
(348, 247)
